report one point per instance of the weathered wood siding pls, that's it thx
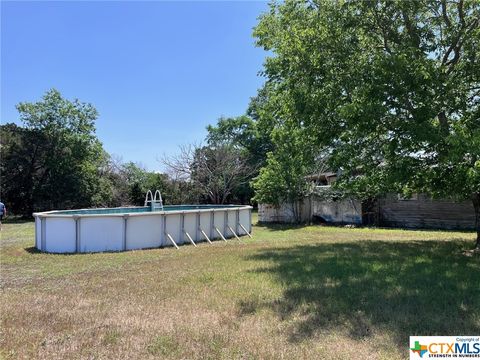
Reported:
(346, 211)
(424, 212)
(284, 213)
(420, 212)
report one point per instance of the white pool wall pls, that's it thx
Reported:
(71, 233)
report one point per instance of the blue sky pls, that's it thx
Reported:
(157, 72)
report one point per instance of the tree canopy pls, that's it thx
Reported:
(53, 161)
(386, 92)
(389, 89)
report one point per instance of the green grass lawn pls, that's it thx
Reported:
(290, 292)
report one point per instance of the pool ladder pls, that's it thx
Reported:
(156, 203)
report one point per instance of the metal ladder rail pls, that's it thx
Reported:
(147, 200)
(158, 202)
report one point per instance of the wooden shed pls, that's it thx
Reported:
(390, 210)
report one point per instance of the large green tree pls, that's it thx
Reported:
(240, 134)
(55, 159)
(251, 135)
(389, 89)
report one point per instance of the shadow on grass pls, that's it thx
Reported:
(273, 226)
(403, 288)
(13, 219)
(32, 250)
(35, 251)
(278, 226)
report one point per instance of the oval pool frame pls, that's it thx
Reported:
(86, 230)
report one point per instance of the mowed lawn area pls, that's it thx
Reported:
(290, 292)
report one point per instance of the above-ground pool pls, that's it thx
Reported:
(129, 228)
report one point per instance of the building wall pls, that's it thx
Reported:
(423, 212)
(418, 212)
(345, 211)
(285, 213)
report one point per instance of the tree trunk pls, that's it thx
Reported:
(442, 119)
(476, 206)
